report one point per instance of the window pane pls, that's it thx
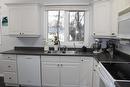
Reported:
(56, 25)
(76, 25)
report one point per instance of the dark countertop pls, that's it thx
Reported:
(40, 52)
(118, 57)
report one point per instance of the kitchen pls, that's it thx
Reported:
(90, 34)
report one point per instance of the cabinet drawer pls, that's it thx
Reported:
(8, 57)
(70, 59)
(9, 66)
(87, 59)
(10, 77)
(50, 58)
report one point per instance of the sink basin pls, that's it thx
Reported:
(119, 71)
(61, 52)
(69, 52)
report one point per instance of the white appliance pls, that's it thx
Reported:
(124, 24)
(106, 80)
(111, 73)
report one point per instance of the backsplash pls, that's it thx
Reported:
(9, 42)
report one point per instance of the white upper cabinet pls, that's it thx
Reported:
(24, 20)
(102, 18)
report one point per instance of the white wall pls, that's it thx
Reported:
(125, 48)
(49, 1)
(9, 42)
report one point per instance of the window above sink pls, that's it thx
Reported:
(70, 25)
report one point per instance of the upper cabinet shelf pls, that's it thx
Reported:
(24, 20)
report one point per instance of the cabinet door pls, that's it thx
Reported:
(14, 20)
(70, 75)
(10, 77)
(30, 20)
(86, 72)
(96, 78)
(102, 16)
(29, 70)
(50, 74)
(24, 20)
(2, 67)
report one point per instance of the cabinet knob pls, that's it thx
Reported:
(20, 33)
(58, 64)
(10, 78)
(9, 57)
(9, 66)
(94, 34)
(113, 34)
(61, 64)
(96, 65)
(85, 60)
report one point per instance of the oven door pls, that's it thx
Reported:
(105, 80)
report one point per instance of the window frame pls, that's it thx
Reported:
(67, 9)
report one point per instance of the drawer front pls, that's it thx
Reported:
(70, 59)
(10, 77)
(8, 57)
(9, 66)
(87, 59)
(50, 58)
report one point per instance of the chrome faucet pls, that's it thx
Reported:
(74, 46)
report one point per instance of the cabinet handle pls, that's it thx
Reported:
(58, 64)
(94, 34)
(28, 58)
(61, 64)
(94, 70)
(9, 66)
(10, 78)
(20, 33)
(84, 60)
(9, 57)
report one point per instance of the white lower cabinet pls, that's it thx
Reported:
(52, 71)
(50, 74)
(8, 69)
(10, 77)
(29, 70)
(86, 69)
(96, 78)
(66, 71)
(70, 75)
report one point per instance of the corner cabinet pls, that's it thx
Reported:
(24, 20)
(102, 19)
